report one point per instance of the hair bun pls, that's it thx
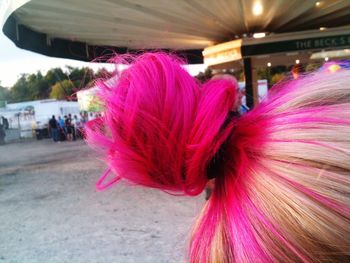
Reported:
(160, 128)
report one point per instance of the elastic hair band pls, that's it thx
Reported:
(216, 165)
(100, 186)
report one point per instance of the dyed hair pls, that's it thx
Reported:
(282, 193)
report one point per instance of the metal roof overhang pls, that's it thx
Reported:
(90, 29)
(28, 39)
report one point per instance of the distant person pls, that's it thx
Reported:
(72, 122)
(244, 108)
(60, 122)
(5, 123)
(53, 126)
(2, 132)
(2, 135)
(65, 126)
(69, 129)
(82, 117)
(34, 127)
(61, 129)
(78, 126)
(75, 122)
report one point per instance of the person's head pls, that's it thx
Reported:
(282, 193)
(53, 116)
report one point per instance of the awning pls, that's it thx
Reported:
(88, 29)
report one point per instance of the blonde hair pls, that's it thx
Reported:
(285, 197)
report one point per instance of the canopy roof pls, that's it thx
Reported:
(83, 29)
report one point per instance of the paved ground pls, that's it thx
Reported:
(50, 212)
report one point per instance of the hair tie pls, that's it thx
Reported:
(216, 164)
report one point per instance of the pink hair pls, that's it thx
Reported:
(282, 194)
(157, 109)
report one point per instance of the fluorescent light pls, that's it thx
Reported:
(297, 61)
(269, 64)
(323, 28)
(259, 35)
(257, 8)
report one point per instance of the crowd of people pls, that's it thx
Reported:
(68, 127)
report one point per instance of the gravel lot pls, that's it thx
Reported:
(50, 211)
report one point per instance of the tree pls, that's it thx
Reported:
(4, 95)
(55, 84)
(311, 67)
(277, 78)
(80, 77)
(103, 73)
(62, 90)
(54, 75)
(269, 72)
(204, 76)
(20, 91)
(43, 87)
(39, 88)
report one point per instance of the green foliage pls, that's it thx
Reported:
(103, 73)
(277, 78)
(4, 94)
(80, 77)
(62, 89)
(239, 75)
(204, 76)
(54, 75)
(95, 104)
(20, 91)
(56, 83)
(273, 74)
(312, 67)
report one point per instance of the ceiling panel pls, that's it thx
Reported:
(184, 24)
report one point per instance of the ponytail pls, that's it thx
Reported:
(282, 193)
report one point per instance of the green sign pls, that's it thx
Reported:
(296, 45)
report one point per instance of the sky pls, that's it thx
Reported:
(15, 61)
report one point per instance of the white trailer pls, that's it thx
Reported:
(30, 115)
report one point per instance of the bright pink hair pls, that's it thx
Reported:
(277, 195)
(160, 128)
